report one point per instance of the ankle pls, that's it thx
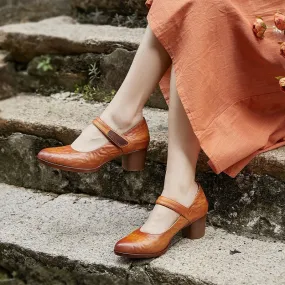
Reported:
(183, 193)
(121, 121)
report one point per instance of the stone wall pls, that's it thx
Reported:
(123, 7)
(12, 11)
(129, 13)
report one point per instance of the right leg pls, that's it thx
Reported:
(183, 152)
(125, 110)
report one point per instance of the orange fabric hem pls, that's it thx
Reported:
(205, 143)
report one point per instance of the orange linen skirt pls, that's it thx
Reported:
(225, 74)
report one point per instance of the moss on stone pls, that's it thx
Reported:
(98, 94)
(106, 18)
(3, 276)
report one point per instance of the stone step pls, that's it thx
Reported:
(6, 80)
(69, 239)
(86, 59)
(45, 37)
(251, 204)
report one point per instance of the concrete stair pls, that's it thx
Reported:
(251, 204)
(69, 239)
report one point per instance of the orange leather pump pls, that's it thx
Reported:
(132, 146)
(192, 222)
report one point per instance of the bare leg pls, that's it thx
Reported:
(125, 110)
(183, 151)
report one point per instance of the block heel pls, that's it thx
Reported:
(195, 230)
(134, 161)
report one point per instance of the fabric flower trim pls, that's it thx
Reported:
(279, 20)
(281, 82)
(148, 3)
(282, 48)
(259, 27)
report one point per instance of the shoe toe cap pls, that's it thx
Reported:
(54, 154)
(44, 154)
(123, 246)
(137, 243)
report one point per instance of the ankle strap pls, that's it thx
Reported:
(114, 137)
(177, 207)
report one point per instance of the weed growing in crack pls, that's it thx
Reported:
(45, 64)
(94, 73)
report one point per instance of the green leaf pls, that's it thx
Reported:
(40, 65)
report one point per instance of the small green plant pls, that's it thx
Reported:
(96, 15)
(45, 64)
(118, 20)
(48, 89)
(109, 98)
(87, 91)
(131, 20)
(3, 276)
(132, 3)
(93, 73)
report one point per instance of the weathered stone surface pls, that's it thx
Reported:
(6, 79)
(72, 73)
(13, 81)
(102, 17)
(64, 64)
(36, 243)
(32, 10)
(139, 187)
(265, 163)
(45, 37)
(114, 68)
(131, 14)
(65, 72)
(251, 204)
(112, 6)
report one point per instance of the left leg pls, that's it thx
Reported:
(126, 109)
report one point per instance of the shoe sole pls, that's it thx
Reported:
(141, 256)
(70, 169)
(84, 170)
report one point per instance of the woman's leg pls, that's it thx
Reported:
(125, 110)
(183, 151)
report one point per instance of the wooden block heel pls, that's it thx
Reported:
(134, 161)
(195, 230)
